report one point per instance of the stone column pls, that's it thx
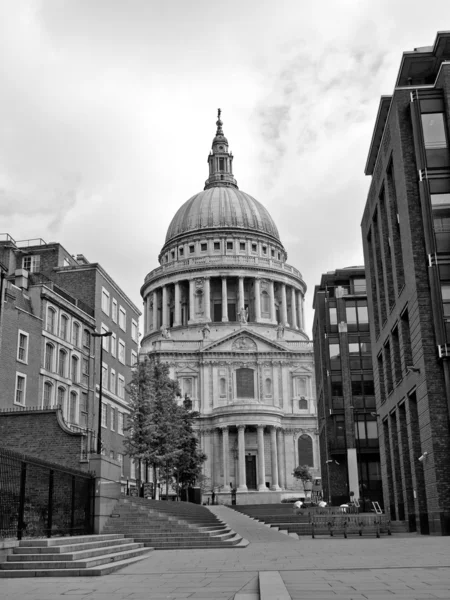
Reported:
(225, 460)
(241, 294)
(280, 453)
(177, 315)
(207, 294)
(273, 442)
(299, 311)
(155, 310)
(224, 300)
(302, 312)
(272, 302)
(284, 318)
(165, 319)
(261, 463)
(241, 450)
(294, 322)
(216, 463)
(191, 301)
(257, 300)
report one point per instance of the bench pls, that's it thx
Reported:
(350, 524)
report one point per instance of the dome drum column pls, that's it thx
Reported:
(224, 300)
(241, 299)
(294, 322)
(165, 308)
(273, 313)
(257, 300)
(284, 317)
(207, 303)
(177, 316)
(191, 302)
(155, 310)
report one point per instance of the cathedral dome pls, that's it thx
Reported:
(222, 207)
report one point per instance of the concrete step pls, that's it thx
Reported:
(75, 564)
(114, 541)
(46, 542)
(75, 555)
(74, 572)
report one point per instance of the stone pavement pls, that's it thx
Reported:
(408, 567)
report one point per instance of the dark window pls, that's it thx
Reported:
(254, 248)
(242, 245)
(273, 253)
(245, 383)
(221, 164)
(181, 251)
(203, 246)
(336, 387)
(192, 249)
(232, 312)
(217, 313)
(216, 245)
(264, 250)
(172, 254)
(335, 357)
(229, 245)
(436, 148)
(305, 451)
(357, 315)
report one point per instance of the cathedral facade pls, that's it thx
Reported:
(225, 311)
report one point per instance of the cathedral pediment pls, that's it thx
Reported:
(244, 341)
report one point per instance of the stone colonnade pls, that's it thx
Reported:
(289, 300)
(221, 473)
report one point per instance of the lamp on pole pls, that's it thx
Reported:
(99, 435)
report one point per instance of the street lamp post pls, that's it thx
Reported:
(99, 435)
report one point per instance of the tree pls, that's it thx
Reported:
(153, 425)
(303, 473)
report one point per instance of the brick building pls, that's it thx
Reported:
(349, 448)
(406, 237)
(48, 357)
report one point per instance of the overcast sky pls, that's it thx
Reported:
(108, 110)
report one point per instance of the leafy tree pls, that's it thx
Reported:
(153, 425)
(303, 473)
(188, 465)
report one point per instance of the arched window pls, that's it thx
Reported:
(51, 319)
(62, 398)
(223, 386)
(245, 383)
(74, 368)
(62, 363)
(268, 383)
(86, 338)
(49, 354)
(76, 335)
(265, 303)
(73, 408)
(305, 451)
(303, 403)
(63, 327)
(48, 393)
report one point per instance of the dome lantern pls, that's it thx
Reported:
(220, 160)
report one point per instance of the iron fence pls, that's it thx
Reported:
(41, 499)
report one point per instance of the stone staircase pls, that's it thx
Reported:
(72, 556)
(170, 525)
(282, 517)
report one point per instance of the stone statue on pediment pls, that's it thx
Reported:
(280, 331)
(206, 331)
(243, 315)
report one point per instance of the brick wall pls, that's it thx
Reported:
(42, 434)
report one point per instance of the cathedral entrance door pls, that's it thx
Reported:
(250, 471)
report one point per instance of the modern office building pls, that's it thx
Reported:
(225, 311)
(53, 304)
(406, 237)
(349, 448)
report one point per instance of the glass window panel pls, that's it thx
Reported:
(440, 200)
(353, 348)
(360, 430)
(445, 289)
(363, 316)
(434, 131)
(372, 431)
(333, 316)
(334, 351)
(350, 312)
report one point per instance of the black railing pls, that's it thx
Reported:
(41, 499)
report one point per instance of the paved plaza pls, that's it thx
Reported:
(407, 567)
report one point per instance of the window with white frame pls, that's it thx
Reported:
(114, 310)
(32, 263)
(105, 340)
(73, 406)
(62, 398)
(86, 338)
(134, 358)
(63, 327)
(120, 423)
(121, 351)
(114, 345)
(105, 375)
(121, 386)
(75, 368)
(112, 386)
(105, 301)
(62, 363)
(22, 347)
(48, 393)
(104, 414)
(49, 356)
(21, 389)
(51, 319)
(76, 334)
(85, 374)
(122, 318)
(134, 330)
(113, 418)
